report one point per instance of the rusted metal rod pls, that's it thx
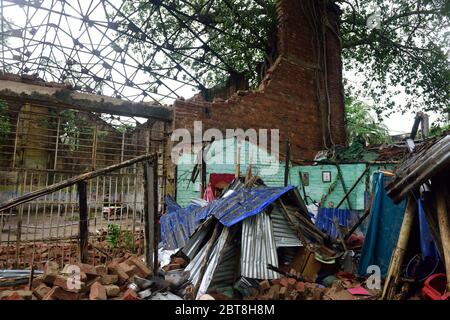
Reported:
(353, 187)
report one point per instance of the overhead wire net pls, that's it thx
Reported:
(151, 50)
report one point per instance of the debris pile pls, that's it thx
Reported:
(63, 252)
(254, 242)
(126, 278)
(291, 289)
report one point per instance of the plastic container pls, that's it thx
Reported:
(435, 288)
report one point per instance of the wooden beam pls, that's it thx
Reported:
(83, 226)
(444, 225)
(19, 91)
(66, 183)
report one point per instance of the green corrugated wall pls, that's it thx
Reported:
(261, 162)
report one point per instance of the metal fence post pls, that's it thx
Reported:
(151, 213)
(83, 227)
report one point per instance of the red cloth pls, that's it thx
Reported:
(216, 178)
(208, 195)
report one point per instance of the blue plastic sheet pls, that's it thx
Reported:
(245, 203)
(180, 223)
(427, 244)
(326, 217)
(383, 229)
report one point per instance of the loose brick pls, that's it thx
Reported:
(98, 292)
(108, 279)
(101, 270)
(56, 293)
(51, 270)
(275, 281)
(11, 296)
(16, 295)
(284, 282)
(111, 290)
(51, 267)
(41, 291)
(114, 268)
(130, 270)
(142, 270)
(88, 269)
(300, 286)
(291, 283)
(283, 292)
(130, 294)
(37, 282)
(264, 285)
(274, 292)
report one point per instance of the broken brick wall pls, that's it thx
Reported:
(292, 97)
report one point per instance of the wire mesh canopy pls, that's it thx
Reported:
(137, 50)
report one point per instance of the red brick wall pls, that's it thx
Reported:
(287, 98)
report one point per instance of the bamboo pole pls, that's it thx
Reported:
(444, 226)
(398, 254)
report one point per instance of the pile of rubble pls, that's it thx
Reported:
(291, 289)
(126, 278)
(63, 252)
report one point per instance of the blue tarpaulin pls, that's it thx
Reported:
(383, 229)
(245, 203)
(179, 223)
(427, 244)
(326, 219)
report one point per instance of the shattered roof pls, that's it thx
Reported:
(180, 223)
(245, 203)
(430, 159)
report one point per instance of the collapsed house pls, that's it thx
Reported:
(244, 236)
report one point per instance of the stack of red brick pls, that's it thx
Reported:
(287, 289)
(291, 289)
(100, 282)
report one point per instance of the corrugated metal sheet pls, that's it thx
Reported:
(284, 234)
(195, 265)
(226, 270)
(179, 225)
(258, 248)
(213, 261)
(245, 203)
(194, 243)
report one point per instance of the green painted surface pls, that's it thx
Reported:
(316, 188)
(220, 159)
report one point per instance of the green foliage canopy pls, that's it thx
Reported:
(407, 51)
